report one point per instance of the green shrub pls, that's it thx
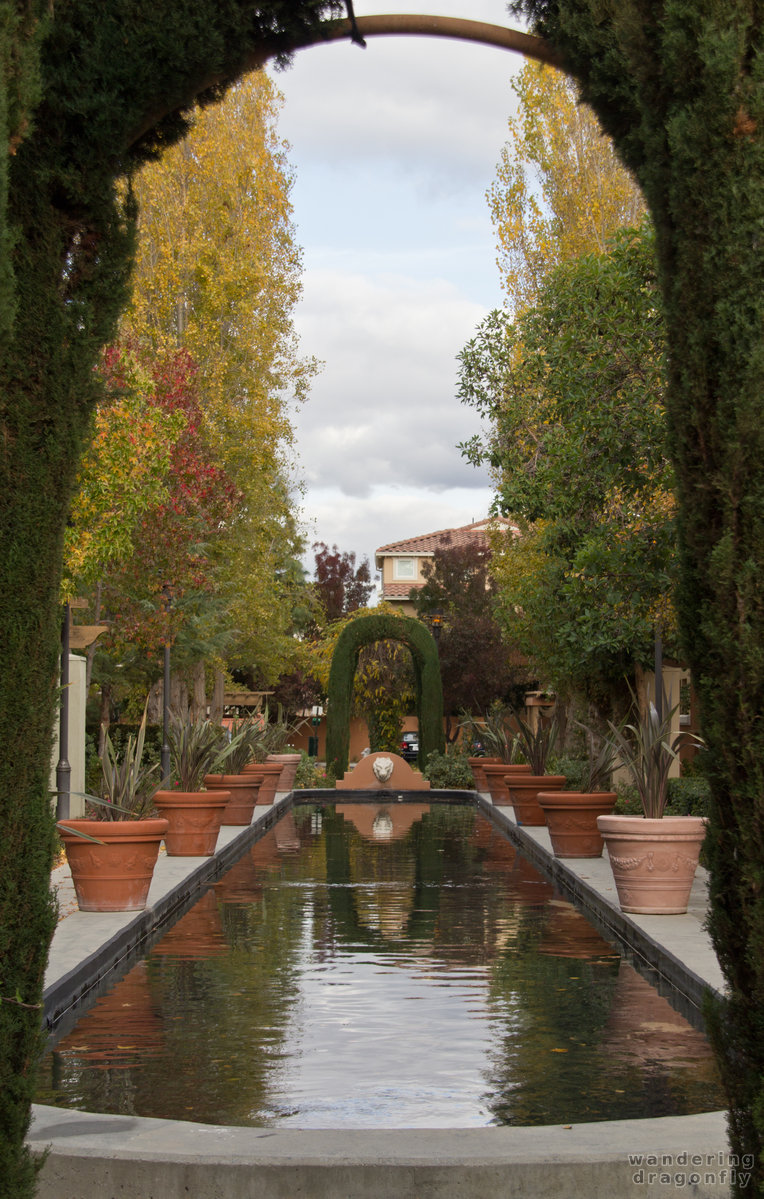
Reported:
(574, 770)
(311, 774)
(450, 770)
(688, 796)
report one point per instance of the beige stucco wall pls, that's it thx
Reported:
(388, 569)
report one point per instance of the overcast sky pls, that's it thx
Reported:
(393, 148)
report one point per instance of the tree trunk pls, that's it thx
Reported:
(155, 703)
(198, 692)
(218, 697)
(104, 717)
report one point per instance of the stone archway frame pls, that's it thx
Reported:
(429, 693)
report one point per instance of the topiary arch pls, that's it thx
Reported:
(429, 693)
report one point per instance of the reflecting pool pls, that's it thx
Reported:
(366, 966)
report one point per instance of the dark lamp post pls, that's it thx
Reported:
(436, 620)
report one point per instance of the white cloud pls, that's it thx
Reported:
(394, 147)
(384, 409)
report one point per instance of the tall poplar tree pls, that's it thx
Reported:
(560, 189)
(218, 273)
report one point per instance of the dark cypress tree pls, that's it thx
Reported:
(90, 90)
(679, 86)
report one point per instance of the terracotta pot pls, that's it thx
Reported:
(289, 764)
(571, 818)
(653, 861)
(243, 789)
(270, 772)
(523, 792)
(477, 766)
(495, 773)
(194, 818)
(115, 876)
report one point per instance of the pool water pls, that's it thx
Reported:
(383, 967)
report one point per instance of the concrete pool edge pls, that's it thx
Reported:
(136, 1157)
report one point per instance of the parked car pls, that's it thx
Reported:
(410, 746)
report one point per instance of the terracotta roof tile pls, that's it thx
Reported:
(399, 590)
(427, 543)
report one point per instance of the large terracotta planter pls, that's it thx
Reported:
(495, 773)
(194, 821)
(270, 772)
(242, 788)
(653, 861)
(571, 817)
(289, 764)
(477, 766)
(115, 876)
(523, 793)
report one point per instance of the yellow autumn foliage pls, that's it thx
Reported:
(218, 272)
(560, 190)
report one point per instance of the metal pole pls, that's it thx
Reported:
(658, 673)
(165, 755)
(63, 769)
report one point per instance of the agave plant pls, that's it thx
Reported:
(197, 748)
(493, 733)
(647, 750)
(246, 737)
(276, 735)
(127, 786)
(537, 743)
(602, 758)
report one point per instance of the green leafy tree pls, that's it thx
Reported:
(218, 274)
(574, 390)
(476, 663)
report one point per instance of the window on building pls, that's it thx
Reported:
(404, 568)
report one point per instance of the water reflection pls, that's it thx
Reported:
(390, 966)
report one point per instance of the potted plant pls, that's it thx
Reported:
(571, 816)
(277, 739)
(242, 786)
(536, 744)
(278, 769)
(197, 748)
(500, 740)
(112, 853)
(653, 857)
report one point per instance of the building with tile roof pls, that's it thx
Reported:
(400, 563)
